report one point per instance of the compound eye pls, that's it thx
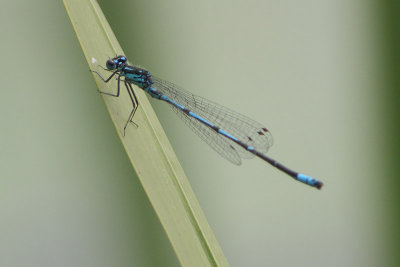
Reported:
(110, 64)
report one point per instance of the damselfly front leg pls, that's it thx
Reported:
(131, 93)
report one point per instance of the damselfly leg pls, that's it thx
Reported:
(130, 90)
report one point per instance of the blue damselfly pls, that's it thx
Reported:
(232, 135)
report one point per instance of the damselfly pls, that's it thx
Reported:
(231, 134)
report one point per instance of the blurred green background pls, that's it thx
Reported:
(323, 76)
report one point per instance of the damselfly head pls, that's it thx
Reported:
(116, 62)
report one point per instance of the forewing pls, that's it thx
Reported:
(243, 128)
(221, 145)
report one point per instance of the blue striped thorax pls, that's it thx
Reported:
(137, 76)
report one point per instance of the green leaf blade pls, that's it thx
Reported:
(148, 148)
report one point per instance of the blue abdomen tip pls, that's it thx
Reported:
(309, 180)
